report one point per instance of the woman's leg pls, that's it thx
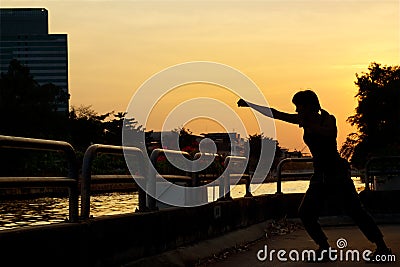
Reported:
(309, 211)
(355, 209)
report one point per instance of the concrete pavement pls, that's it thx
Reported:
(240, 248)
(351, 239)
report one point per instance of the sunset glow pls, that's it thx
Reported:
(283, 46)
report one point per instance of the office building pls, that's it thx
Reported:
(24, 36)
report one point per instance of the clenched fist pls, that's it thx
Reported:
(242, 103)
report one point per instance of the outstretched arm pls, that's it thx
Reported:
(270, 112)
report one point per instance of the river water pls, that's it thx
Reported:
(40, 211)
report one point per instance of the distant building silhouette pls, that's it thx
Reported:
(227, 143)
(285, 153)
(24, 36)
(154, 140)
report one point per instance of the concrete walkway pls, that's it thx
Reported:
(300, 241)
(240, 248)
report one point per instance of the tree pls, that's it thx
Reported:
(187, 141)
(377, 115)
(88, 127)
(256, 141)
(29, 109)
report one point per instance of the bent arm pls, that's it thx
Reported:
(275, 114)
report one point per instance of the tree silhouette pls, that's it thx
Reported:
(377, 115)
(256, 141)
(29, 109)
(86, 127)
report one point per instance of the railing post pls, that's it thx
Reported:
(226, 192)
(248, 184)
(279, 170)
(222, 187)
(90, 154)
(86, 180)
(195, 176)
(227, 183)
(367, 164)
(74, 193)
(151, 188)
(279, 177)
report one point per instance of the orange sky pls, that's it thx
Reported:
(283, 46)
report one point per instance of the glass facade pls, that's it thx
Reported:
(24, 36)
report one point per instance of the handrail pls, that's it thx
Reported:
(197, 181)
(279, 171)
(47, 145)
(90, 154)
(152, 179)
(158, 151)
(225, 192)
(196, 157)
(368, 172)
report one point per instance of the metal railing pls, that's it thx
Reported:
(281, 175)
(370, 172)
(225, 180)
(87, 178)
(233, 172)
(70, 182)
(204, 175)
(152, 176)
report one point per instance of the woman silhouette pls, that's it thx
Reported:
(331, 178)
